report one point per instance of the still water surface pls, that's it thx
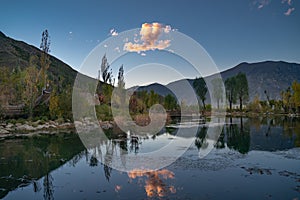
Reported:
(257, 158)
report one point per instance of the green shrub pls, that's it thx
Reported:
(60, 120)
(44, 118)
(12, 121)
(208, 107)
(103, 112)
(21, 121)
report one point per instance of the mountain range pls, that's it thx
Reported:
(270, 76)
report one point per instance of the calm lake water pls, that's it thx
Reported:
(257, 158)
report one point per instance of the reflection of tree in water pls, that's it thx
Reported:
(92, 158)
(256, 122)
(291, 128)
(154, 185)
(238, 138)
(123, 145)
(271, 123)
(107, 171)
(36, 186)
(221, 141)
(110, 147)
(77, 158)
(200, 137)
(106, 150)
(48, 187)
(34, 157)
(171, 130)
(93, 161)
(48, 180)
(134, 144)
(297, 134)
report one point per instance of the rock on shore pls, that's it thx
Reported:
(10, 128)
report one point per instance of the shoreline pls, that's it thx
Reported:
(29, 128)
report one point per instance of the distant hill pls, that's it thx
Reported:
(158, 88)
(272, 76)
(15, 53)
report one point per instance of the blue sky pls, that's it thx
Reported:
(231, 31)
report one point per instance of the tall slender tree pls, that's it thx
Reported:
(121, 86)
(170, 102)
(106, 72)
(200, 89)
(242, 89)
(287, 99)
(153, 98)
(121, 82)
(107, 78)
(31, 90)
(231, 94)
(296, 95)
(217, 90)
(45, 58)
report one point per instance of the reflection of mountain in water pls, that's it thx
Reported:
(23, 161)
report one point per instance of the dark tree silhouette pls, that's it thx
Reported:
(93, 161)
(242, 89)
(121, 82)
(48, 187)
(121, 92)
(201, 89)
(200, 137)
(217, 90)
(106, 71)
(107, 171)
(45, 60)
(36, 186)
(170, 102)
(238, 138)
(221, 141)
(231, 93)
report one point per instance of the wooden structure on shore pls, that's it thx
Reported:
(19, 109)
